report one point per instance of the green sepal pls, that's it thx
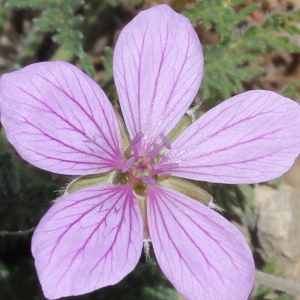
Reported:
(124, 136)
(185, 187)
(180, 127)
(90, 180)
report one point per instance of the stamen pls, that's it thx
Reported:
(139, 169)
(156, 151)
(137, 138)
(148, 180)
(165, 141)
(127, 165)
(134, 142)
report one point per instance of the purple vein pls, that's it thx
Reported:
(192, 240)
(73, 99)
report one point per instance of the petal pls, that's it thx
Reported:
(59, 119)
(87, 240)
(252, 137)
(202, 254)
(158, 67)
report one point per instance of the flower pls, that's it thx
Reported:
(128, 192)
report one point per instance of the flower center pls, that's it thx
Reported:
(141, 170)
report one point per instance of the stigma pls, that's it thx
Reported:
(141, 169)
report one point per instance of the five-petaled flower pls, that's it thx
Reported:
(128, 192)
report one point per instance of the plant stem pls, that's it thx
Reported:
(19, 232)
(277, 283)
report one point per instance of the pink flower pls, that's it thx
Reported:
(59, 120)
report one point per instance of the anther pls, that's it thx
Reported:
(148, 180)
(134, 142)
(127, 165)
(137, 138)
(165, 141)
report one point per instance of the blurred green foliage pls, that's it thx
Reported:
(66, 20)
(233, 58)
(61, 19)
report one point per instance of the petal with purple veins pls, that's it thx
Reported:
(202, 254)
(87, 240)
(158, 67)
(60, 120)
(252, 137)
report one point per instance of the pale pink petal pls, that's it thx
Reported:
(202, 254)
(252, 137)
(87, 240)
(59, 119)
(158, 67)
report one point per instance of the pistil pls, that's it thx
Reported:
(141, 169)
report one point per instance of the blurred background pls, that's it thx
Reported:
(248, 44)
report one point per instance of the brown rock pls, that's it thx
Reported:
(277, 227)
(292, 177)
